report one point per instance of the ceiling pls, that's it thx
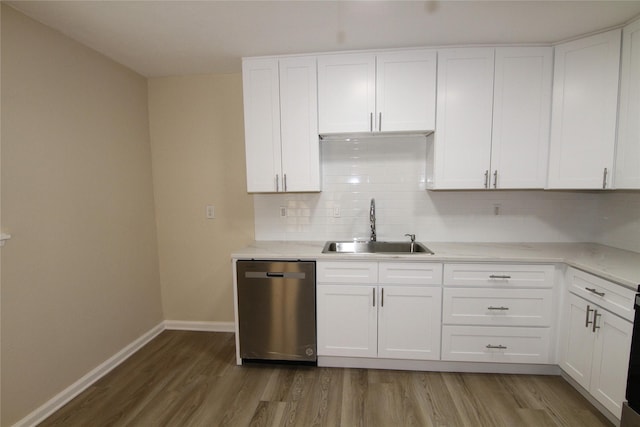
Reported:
(161, 38)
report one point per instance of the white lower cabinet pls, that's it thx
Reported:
(409, 322)
(398, 318)
(497, 313)
(595, 345)
(347, 320)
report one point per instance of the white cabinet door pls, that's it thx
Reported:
(577, 353)
(281, 130)
(346, 93)
(299, 118)
(347, 320)
(462, 143)
(585, 101)
(406, 91)
(409, 322)
(610, 360)
(521, 117)
(262, 123)
(627, 169)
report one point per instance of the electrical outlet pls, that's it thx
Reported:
(336, 211)
(283, 211)
(211, 214)
(496, 208)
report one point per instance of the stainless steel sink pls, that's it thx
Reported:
(371, 247)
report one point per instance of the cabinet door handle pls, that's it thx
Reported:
(593, 291)
(498, 308)
(499, 347)
(595, 321)
(380, 121)
(499, 276)
(277, 183)
(284, 182)
(495, 179)
(382, 297)
(486, 179)
(587, 322)
(604, 179)
(371, 122)
(374, 296)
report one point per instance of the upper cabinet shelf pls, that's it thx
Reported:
(385, 92)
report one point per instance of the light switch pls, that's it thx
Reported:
(210, 212)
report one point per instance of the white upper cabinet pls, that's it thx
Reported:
(462, 143)
(261, 94)
(377, 93)
(346, 93)
(521, 117)
(281, 129)
(585, 100)
(406, 91)
(627, 168)
(493, 127)
(299, 124)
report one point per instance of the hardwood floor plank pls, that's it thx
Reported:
(190, 379)
(355, 387)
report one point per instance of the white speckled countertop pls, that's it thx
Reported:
(617, 265)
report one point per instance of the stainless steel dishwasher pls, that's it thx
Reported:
(277, 310)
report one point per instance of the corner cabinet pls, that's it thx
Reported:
(379, 310)
(583, 123)
(492, 129)
(281, 129)
(384, 92)
(627, 168)
(597, 337)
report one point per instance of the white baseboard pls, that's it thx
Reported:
(83, 383)
(185, 325)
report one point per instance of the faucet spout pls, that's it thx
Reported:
(372, 219)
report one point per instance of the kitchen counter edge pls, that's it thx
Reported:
(617, 265)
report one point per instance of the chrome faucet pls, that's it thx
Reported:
(372, 219)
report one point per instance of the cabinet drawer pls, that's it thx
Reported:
(410, 273)
(497, 307)
(347, 272)
(495, 344)
(609, 295)
(499, 275)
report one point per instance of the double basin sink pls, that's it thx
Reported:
(375, 247)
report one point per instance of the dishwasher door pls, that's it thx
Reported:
(277, 310)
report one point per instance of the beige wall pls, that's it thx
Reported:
(80, 277)
(197, 140)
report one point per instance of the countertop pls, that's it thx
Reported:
(618, 265)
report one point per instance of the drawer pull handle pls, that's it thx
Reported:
(497, 308)
(593, 291)
(499, 276)
(499, 347)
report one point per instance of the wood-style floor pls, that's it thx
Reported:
(190, 379)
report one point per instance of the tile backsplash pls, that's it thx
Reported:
(392, 170)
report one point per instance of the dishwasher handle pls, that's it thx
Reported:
(275, 275)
